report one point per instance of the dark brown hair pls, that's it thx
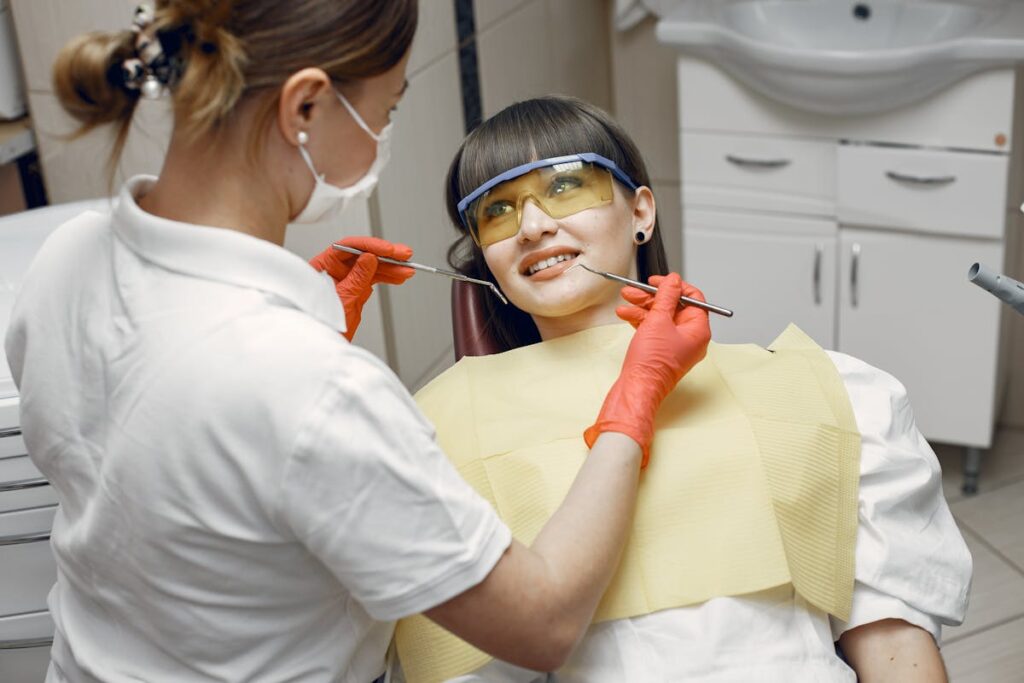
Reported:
(233, 48)
(523, 132)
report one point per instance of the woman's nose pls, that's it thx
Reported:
(534, 222)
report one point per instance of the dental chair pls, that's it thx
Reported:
(468, 315)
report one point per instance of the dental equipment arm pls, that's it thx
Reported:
(431, 269)
(1006, 288)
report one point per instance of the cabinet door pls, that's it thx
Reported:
(906, 306)
(769, 280)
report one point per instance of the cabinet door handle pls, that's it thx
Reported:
(25, 643)
(854, 265)
(21, 539)
(756, 163)
(819, 251)
(23, 484)
(920, 180)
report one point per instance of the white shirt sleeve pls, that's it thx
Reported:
(911, 561)
(370, 493)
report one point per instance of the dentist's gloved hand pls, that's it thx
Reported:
(354, 276)
(669, 340)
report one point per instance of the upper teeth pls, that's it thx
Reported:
(547, 263)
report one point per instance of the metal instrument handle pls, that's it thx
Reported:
(22, 484)
(21, 539)
(819, 252)
(854, 267)
(920, 180)
(11, 431)
(744, 162)
(25, 643)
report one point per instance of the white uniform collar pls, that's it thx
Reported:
(224, 255)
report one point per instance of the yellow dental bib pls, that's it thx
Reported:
(752, 481)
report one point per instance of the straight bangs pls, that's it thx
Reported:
(530, 131)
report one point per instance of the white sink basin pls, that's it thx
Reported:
(848, 57)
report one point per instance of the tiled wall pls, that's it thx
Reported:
(524, 48)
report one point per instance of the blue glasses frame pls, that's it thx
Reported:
(523, 169)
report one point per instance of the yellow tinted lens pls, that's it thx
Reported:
(559, 190)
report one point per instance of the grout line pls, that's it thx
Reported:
(988, 545)
(985, 629)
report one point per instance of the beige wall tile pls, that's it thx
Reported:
(77, 168)
(644, 94)
(515, 59)
(578, 32)
(487, 12)
(435, 34)
(44, 26)
(428, 130)
(670, 221)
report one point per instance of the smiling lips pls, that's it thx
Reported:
(548, 263)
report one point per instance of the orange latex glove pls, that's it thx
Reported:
(354, 276)
(670, 339)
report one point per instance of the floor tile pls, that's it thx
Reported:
(997, 592)
(998, 517)
(992, 656)
(1000, 465)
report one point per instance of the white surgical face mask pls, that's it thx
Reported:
(327, 201)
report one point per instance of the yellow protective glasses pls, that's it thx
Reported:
(559, 186)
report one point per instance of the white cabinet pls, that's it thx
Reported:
(905, 305)
(769, 270)
(860, 230)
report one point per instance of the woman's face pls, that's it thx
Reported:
(561, 298)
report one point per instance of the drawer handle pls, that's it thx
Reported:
(854, 266)
(21, 539)
(819, 251)
(10, 431)
(920, 180)
(756, 163)
(25, 644)
(23, 484)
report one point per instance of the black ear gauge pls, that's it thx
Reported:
(640, 237)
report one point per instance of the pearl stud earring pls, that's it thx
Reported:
(302, 137)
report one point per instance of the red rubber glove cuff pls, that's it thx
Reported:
(620, 402)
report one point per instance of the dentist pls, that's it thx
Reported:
(244, 495)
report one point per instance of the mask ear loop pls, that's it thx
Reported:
(303, 138)
(357, 117)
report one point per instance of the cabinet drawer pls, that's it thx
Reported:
(955, 193)
(25, 642)
(11, 444)
(22, 486)
(759, 172)
(27, 567)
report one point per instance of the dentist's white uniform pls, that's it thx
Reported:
(244, 496)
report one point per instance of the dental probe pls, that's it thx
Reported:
(685, 300)
(429, 269)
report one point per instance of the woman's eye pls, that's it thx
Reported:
(564, 184)
(498, 209)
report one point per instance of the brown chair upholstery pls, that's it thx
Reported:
(468, 321)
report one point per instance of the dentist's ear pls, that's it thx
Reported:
(644, 213)
(298, 109)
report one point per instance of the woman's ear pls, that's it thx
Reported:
(644, 214)
(299, 105)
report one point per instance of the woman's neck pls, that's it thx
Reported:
(215, 185)
(595, 316)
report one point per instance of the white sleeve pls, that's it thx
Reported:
(911, 561)
(370, 493)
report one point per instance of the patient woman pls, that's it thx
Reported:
(789, 505)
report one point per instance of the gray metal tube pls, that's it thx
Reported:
(1006, 288)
